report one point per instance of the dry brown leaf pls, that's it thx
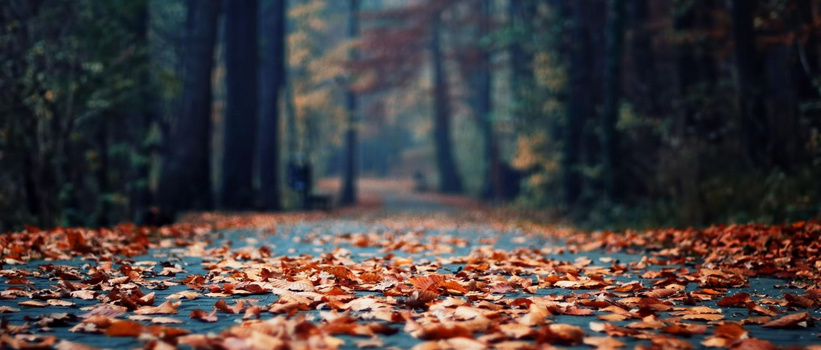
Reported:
(32, 303)
(799, 320)
(604, 343)
(184, 295)
(200, 315)
(754, 344)
(166, 308)
(703, 317)
(124, 329)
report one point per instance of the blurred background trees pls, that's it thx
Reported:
(606, 112)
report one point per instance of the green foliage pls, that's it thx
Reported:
(71, 77)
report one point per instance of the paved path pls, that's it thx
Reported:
(415, 215)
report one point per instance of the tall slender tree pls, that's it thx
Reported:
(141, 121)
(612, 95)
(271, 87)
(348, 195)
(579, 100)
(449, 179)
(749, 82)
(185, 183)
(241, 63)
(484, 106)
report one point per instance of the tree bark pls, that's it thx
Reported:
(612, 96)
(749, 83)
(348, 195)
(449, 180)
(643, 59)
(484, 108)
(140, 193)
(185, 182)
(579, 102)
(272, 85)
(694, 68)
(241, 61)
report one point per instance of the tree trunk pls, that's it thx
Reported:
(781, 106)
(579, 102)
(348, 195)
(694, 67)
(612, 96)
(185, 183)
(484, 108)
(449, 180)
(749, 83)
(104, 189)
(272, 84)
(140, 193)
(643, 59)
(241, 60)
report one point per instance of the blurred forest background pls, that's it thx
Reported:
(606, 112)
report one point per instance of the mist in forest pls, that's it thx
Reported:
(599, 113)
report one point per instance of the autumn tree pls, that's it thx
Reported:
(393, 50)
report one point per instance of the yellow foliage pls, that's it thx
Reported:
(533, 153)
(299, 50)
(307, 9)
(549, 73)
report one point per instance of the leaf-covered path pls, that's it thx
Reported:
(420, 271)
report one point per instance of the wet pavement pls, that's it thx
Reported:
(315, 238)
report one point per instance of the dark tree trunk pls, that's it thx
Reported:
(579, 101)
(612, 96)
(643, 59)
(749, 83)
(241, 60)
(103, 184)
(695, 70)
(807, 47)
(140, 193)
(186, 170)
(348, 195)
(272, 86)
(484, 108)
(449, 180)
(781, 107)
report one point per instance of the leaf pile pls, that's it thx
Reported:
(446, 291)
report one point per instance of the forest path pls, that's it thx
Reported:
(506, 284)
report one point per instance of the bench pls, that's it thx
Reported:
(319, 201)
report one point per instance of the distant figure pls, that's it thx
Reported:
(156, 217)
(420, 184)
(299, 177)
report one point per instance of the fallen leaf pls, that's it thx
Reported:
(790, 321)
(32, 303)
(124, 329)
(200, 315)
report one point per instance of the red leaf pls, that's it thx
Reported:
(738, 300)
(124, 329)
